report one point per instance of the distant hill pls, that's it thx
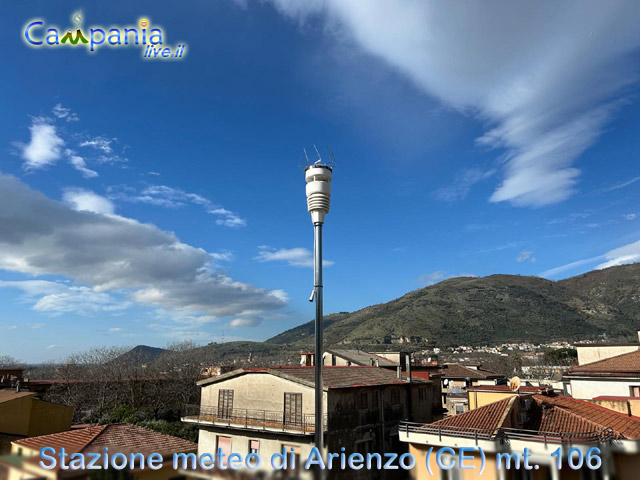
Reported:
(491, 310)
(140, 355)
(458, 311)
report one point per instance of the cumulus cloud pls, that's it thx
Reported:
(543, 77)
(83, 200)
(79, 164)
(44, 147)
(295, 257)
(170, 197)
(57, 298)
(112, 253)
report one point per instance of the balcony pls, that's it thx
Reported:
(262, 420)
(504, 435)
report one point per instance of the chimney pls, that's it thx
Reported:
(377, 362)
(399, 370)
(638, 332)
(408, 362)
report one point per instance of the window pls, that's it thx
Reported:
(254, 446)
(459, 408)
(395, 396)
(374, 400)
(293, 409)
(225, 403)
(363, 400)
(224, 444)
(422, 394)
(635, 390)
(295, 450)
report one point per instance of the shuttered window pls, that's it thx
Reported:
(225, 403)
(293, 408)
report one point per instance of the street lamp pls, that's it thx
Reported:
(318, 189)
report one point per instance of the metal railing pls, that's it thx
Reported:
(251, 419)
(506, 434)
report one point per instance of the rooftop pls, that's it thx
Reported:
(625, 365)
(554, 417)
(332, 377)
(123, 438)
(505, 388)
(6, 395)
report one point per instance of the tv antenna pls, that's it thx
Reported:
(320, 161)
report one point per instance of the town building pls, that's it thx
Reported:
(481, 395)
(264, 410)
(23, 461)
(615, 376)
(456, 377)
(544, 424)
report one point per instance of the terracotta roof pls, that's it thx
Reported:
(548, 415)
(6, 395)
(333, 377)
(583, 413)
(614, 398)
(73, 441)
(489, 417)
(123, 438)
(454, 370)
(627, 364)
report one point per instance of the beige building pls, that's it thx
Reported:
(23, 414)
(543, 423)
(457, 377)
(264, 410)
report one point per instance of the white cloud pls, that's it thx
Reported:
(526, 256)
(435, 277)
(296, 257)
(13, 327)
(630, 216)
(115, 330)
(57, 298)
(87, 201)
(79, 164)
(619, 256)
(623, 255)
(544, 78)
(430, 278)
(617, 186)
(51, 347)
(112, 253)
(100, 143)
(245, 322)
(65, 113)
(170, 197)
(44, 147)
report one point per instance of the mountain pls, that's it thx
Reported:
(491, 310)
(140, 355)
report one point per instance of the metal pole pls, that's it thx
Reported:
(317, 285)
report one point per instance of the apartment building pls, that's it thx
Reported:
(264, 410)
(615, 376)
(544, 423)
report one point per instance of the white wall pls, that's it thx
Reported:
(588, 389)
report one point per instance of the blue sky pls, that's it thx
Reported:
(148, 201)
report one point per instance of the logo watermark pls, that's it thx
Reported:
(38, 34)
